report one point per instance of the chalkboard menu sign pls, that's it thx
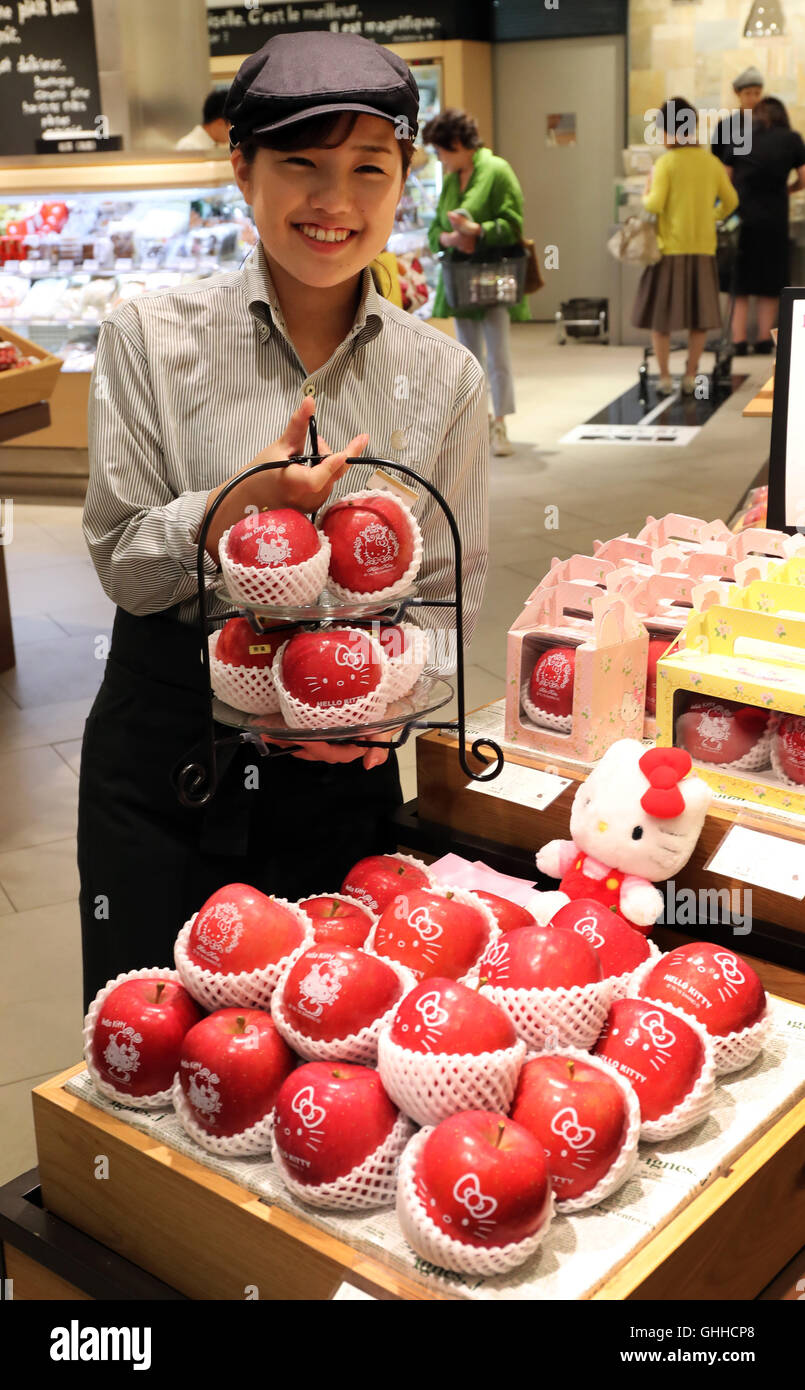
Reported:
(235, 29)
(557, 19)
(48, 71)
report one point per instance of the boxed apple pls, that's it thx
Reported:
(575, 672)
(733, 694)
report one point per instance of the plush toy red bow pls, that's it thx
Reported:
(664, 768)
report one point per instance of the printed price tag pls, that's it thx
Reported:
(767, 861)
(11, 267)
(66, 267)
(259, 648)
(381, 479)
(123, 263)
(37, 268)
(526, 785)
(90, 263)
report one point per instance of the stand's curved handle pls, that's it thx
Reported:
(490, 773)
(194, 785)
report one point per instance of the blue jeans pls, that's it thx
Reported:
(493, 331)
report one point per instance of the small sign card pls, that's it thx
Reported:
(767, 861)
(527, 785)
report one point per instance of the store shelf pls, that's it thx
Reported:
(210, 1238)
(102, 173)
(761, 406)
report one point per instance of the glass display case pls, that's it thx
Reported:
(67, 259)
(417, 206)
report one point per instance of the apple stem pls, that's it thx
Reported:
(240, 1023)
(571, 1068)
(159, 990)
(338, 1075)
(449, 896)
(499, 1135)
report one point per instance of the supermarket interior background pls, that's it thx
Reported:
(98, 206)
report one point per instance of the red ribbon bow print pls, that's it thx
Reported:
(664, 768)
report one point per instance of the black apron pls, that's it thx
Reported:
(146, 862)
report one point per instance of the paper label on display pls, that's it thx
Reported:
(259, 648)
(383, 480)
(348, 1292)
(526, 785)
(123, 263)
(11, 267)
(66, 267)
(90, 264)
(764, 860)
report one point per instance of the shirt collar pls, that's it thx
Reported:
(263, 304)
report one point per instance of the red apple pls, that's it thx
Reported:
(138, 1034)
(232, 1066)
(579, 1116)
(790, 744)
(333, 991)
(618, 946)
(659, 1053)
(239, 645)
(551, 683)
(239, 929)
(657, 647)
(372, 542)
(273, 539)
(380, 878)
(332, 667)
(711, 983)
(330, 1116)
(443, 1016)
(483, 1179)
(335, 920)
(507, 914)
(540, 958)
(432, 933)
(720, 731)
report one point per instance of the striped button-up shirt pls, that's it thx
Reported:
(191, 383)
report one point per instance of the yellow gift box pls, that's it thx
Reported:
(741, 654)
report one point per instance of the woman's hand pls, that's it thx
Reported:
(294, 486)
(320, 752)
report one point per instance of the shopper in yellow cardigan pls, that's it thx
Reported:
(690, 191)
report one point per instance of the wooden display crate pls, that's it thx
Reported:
(22, 386)
(209, 1238)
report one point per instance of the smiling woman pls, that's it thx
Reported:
(192, 384)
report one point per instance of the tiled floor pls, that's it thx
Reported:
(60, 612)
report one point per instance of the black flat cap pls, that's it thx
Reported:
(296, 76)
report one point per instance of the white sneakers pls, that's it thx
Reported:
(498, 438)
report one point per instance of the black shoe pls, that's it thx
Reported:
(740, 349)
(764, 347)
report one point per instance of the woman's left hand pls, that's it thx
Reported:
(464, 224)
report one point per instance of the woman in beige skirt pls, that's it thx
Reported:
(689, 190)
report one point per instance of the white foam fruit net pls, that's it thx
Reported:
(254, 1140)
(627, 985)
(357, 1047)
(778, 768)
(697, 1104)
(341, 898)
(429, 1241)
(159, 1100)
(372, 1183)
(560, 723)
(406, 580)
(551, 1018)
(247, 688)
(732, 1051)
(284, 584)
(250, 989)
(626, 1159)
(366, 709)
(460, 895)
(430, 1086)
(405, 669)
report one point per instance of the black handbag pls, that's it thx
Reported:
(490, 276)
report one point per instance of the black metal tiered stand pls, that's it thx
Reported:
(196, 780)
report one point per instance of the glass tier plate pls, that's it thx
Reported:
(428, 695)
(329, 607)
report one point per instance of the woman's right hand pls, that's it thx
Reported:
(294, 486)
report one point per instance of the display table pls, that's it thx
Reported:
(453, 814)
(14, 423)
(761, 406)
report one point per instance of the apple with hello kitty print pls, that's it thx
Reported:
(618, 946)
(432, 933)
(332, 667)
(441, 1015)
(656, 1050)
(273, 539)
(710, 982)
(372, 542)
(333, 991)
(330, 1117)
(578, 1113)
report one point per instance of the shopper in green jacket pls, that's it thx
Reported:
(481, 206)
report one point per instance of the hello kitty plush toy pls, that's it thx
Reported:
(634, 821)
